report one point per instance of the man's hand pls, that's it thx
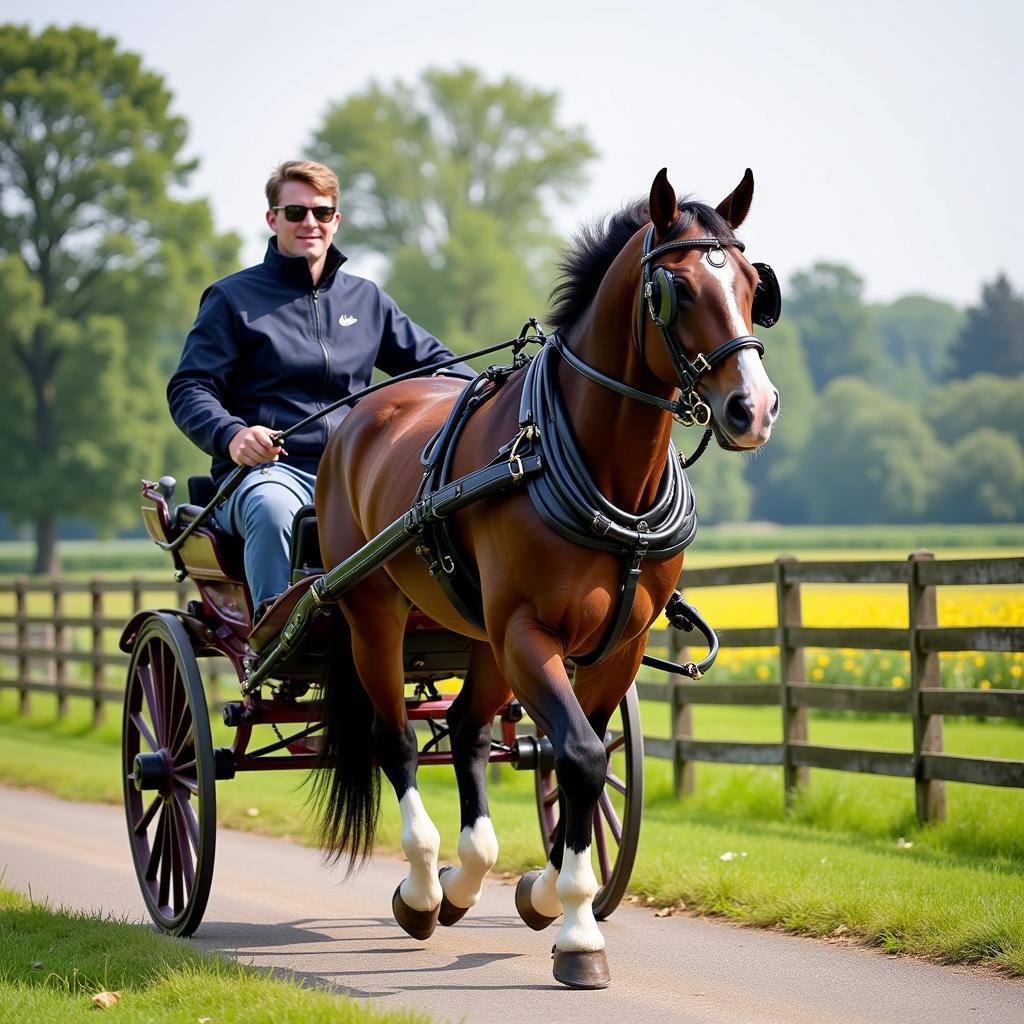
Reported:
(254, 446)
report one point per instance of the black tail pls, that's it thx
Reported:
(345, 793)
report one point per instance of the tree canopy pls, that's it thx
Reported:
(826, 302)
(101, 257)
(450, 178)
(870, 458)
(992, 337)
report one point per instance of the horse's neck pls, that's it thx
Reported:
(625, 441)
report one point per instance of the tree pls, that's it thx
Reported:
(450, 180)
(870, 459)
(722, 493)
(985, 481)
(983, 401)
(835, 326)
(97, 258)
(916, 334)
(774, 468)
(992, 339)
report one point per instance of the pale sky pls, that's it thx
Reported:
(883, 135)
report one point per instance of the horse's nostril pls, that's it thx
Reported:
(738, 413)
(775, 406)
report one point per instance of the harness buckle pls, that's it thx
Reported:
(528, 433)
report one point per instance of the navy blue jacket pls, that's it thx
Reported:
(268, 348)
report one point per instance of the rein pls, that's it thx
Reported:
(629, 392)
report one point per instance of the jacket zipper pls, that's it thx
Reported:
(327, 358)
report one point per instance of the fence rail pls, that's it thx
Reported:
(925, 702)
(39, 645)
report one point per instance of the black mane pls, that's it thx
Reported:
(595, 245)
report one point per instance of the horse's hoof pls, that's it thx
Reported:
(532, 917)
(420, 924)
(449, 914)
(582, 970)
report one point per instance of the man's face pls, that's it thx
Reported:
(307, 237)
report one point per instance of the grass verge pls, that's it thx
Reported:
(54, 962)
(849, 859)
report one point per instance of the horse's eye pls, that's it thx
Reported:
(683, 292)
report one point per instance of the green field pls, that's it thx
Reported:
(848, 859)
(734, 542)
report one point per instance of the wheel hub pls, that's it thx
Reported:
(150, 771)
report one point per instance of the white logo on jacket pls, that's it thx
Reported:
(345, 320)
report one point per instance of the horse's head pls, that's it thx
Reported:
(699, 300)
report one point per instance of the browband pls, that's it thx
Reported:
(690, 243)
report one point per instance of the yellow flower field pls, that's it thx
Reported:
(879, 605)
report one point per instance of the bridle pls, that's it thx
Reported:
(657, 292)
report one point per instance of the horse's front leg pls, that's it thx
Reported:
(534, 663)
(469, 721)
(377, 637)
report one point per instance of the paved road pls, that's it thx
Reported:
(275, 905)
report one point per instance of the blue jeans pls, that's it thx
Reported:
(261, 512)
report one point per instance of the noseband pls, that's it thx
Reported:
(658, 293)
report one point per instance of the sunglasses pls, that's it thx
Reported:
(295, 212)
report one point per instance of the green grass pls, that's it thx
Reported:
(52, 963)
(849, 857)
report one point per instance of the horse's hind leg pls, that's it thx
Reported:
(378, 622)
(469, 722)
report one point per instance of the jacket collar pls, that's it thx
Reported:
(294, 270)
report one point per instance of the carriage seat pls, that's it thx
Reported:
(305, 548)
(305, 543)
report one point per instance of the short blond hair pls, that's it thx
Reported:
(317, 176)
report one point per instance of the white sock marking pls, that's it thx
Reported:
(577, 886)
(478, 852)
(420, 841)
(544, 894)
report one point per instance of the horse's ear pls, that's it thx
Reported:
(735, 206)
(664, 211)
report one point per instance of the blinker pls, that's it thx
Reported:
(767, 306)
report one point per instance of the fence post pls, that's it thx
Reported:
(21, 629)
(60, 665)
(929, 794)
(791, 670)
(98, 668)
(684, 774)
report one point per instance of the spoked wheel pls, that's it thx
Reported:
(168, 770)
(618, 811)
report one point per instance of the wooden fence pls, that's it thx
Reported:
(78, 625)
(924, 702)
(55, 623)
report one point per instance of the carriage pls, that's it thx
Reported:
(170, 763)
(437, 504)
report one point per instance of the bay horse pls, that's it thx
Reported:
(659, 300)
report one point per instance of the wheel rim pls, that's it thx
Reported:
(171, 827)
(619, 809)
